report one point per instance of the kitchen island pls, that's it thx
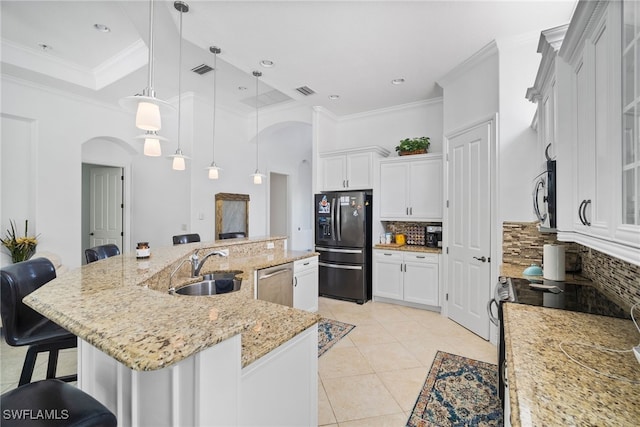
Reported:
(160, 359)
(546, 387)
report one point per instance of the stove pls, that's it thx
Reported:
(569, 295)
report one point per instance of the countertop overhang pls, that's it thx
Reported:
(121, 305)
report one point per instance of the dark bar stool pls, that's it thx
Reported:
(24, 326)
(101, 252)
(181, 239)
(53, 403)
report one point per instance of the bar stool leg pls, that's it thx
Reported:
(29, 364)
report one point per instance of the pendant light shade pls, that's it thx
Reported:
(146, 105)
(152, 146)
(179, 158)
(257, 176)
(214, 170)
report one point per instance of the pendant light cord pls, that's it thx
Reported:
(215, 95)
(257, 74)
(150, 70)
(180, 82)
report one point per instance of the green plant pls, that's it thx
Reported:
(414, 144)
(20, 248)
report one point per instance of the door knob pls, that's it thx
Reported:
(481, 259)
(90, 234)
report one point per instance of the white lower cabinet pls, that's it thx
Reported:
(406, 276)
(305, 284)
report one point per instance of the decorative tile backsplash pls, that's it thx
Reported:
(523, 245)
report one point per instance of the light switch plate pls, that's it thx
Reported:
(270, 245)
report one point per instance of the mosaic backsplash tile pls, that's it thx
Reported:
(523, 245)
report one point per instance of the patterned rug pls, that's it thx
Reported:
(330, 332)
(458, 392)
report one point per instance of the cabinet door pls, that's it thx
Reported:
(425, 189)
(393, 191)
(585, 143)
(333, 172)
(305, 284)
(421, 279)
(359, 171)
(387, 274)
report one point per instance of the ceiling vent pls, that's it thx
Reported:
(202, 69)
(268, 98)
(305, 90)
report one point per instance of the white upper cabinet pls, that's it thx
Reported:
(603, 207)
(411, 188)
(349, 169)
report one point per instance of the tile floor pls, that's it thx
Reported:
(372, 377)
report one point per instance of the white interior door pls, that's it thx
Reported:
(105, 208)
(469, 228)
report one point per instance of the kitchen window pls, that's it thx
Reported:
(631, 113)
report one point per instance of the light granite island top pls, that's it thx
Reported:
(547, 388)
(121, 305)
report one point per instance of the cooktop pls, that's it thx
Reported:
(565, 296)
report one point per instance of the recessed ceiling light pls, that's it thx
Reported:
(242, 88)
(45, 47)
(334, 97)
(267, 63)
(397, 81)
(102, 28)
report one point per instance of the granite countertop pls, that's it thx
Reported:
(121, 306)
(407, 248)
(546, 387)
(517, 270)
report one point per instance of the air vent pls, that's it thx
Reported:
(202, 69)
(305, 90)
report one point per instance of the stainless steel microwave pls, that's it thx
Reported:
(544, 196)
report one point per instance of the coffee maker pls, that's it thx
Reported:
(434, 236)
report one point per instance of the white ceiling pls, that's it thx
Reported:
(349, 48)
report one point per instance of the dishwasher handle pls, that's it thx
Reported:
(274, 273)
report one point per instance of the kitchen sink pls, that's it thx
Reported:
(216, 283)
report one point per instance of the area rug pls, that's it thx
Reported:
(330, 332)
(458, 392)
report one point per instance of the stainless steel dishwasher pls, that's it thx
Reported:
(275, 284)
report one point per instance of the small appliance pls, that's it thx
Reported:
(434, 236)
(544, 194)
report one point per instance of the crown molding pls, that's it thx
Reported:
(549, 44)
(395, 108)
(585, 17)
(488, 51)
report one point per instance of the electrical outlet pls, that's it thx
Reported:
(636, 351)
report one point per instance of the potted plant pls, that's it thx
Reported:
(20, 248)
(410, 146)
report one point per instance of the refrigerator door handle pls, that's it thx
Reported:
(333, 219)
(339, 218)
(343, 267)
(342, 251)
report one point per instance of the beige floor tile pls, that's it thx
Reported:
(372, 333)
(358, 397)
(388, 357)
(405, 385)
(393, 420)
(343, 362)
(344, 342)
(325, 412)
(405, 330)
(423, 351)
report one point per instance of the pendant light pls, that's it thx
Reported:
(146, 105)
(214, 170)
(257, 176)
(152, 146)
(179, 158)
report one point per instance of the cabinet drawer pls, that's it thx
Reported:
(305, 264)
(388, 255)
(421, 257)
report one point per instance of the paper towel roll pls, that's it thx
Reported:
(553, 262)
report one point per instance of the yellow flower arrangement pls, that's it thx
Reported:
(20, 248)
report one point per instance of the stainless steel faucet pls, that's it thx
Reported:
(196, 263)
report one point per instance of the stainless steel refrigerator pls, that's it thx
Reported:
(343, 240)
